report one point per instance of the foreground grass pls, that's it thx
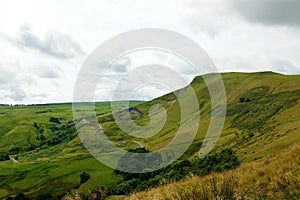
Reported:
(276, 177)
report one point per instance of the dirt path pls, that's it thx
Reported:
(13, 159)
(141, 145)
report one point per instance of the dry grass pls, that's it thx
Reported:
(276, 177)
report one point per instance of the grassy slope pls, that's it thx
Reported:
(275, 177)
(261, 126)
(265, 122)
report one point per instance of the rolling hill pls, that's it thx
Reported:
(262, 120)
(262, 115)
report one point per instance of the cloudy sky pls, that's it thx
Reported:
(43, 44)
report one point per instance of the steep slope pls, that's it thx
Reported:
(275, 177)
(262, 115)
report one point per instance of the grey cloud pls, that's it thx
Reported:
(5, 76)
(11, 84)
(16, 93)
(121, 64)
(42, 95)
(48, 72)
(55, 44)
(269, 12)
(5, 37)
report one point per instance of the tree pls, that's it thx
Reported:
(3, 156)
(21, 196)
(46, 196)
(84, 177)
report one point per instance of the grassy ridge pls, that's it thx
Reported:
(262, 115)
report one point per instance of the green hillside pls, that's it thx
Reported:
(262, 115)
(262, 119)
(275, 177)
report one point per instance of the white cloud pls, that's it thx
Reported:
(42, 60)
(286, 66)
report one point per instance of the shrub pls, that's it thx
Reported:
(44, 197)
(21, 196)
(84, 177)
(4, 156)
(176, 171)
(54, 120)
(251, 134)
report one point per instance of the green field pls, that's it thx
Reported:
(47, 167)
(262, 119)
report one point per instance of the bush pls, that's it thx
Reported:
(174, 172)
(4, 156)
(251, 134)
(44, 197)
(21, 196)
(54, 120)
(84, 177)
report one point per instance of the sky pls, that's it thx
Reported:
(43, 44)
